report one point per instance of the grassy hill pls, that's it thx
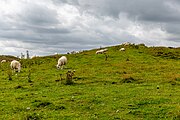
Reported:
(7, 58)
(139, 83)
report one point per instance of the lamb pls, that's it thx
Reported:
(101, 51)
(15, 65)
(62, 61)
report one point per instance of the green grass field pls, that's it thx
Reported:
(139, 83)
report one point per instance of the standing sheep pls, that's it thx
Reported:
(62, 61)
(15, 65)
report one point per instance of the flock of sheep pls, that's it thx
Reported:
(16, 65)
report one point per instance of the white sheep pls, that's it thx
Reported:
(3, 61)
(15, 65)
(122, 49)
(74, 52)
(101, 51)
(105, 50)
(126, 44)
(61, 62)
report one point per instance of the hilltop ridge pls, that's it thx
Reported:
(158, 51)
(8, 57)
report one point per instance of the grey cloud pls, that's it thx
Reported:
(54, 31)
(72, 2)
(173, 28)
(146, 10)
(38, 15)
(141, 11)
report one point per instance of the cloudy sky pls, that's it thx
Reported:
(46, 27)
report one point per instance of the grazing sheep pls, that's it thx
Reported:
(75, 52)
(3, 61)
(122, 49)
(15, 65)
(101, 51)
(105, 50)
(62, 61)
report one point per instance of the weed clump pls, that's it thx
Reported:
(69, 77)
(29, 76)
(43, 104)
(128, 80)
(33, 116)
(173, 82)
(60, 107)
(18, 87)
(106, 56)
(9, 73)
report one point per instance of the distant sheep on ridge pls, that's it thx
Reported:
(3, 61)
(126, 44)
(101, 51)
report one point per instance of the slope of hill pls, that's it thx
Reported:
(7, 57)
(139, 83)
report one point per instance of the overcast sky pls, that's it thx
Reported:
(46, 27)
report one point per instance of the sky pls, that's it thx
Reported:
(45, 27)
